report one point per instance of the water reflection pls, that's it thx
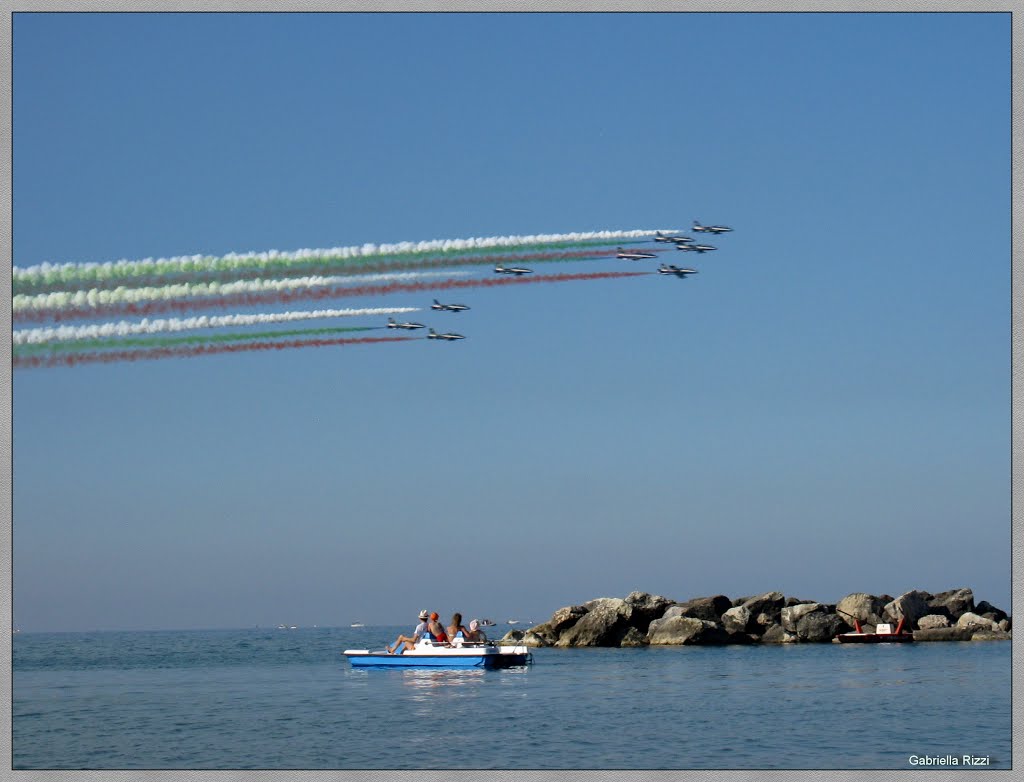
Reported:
(426, 682)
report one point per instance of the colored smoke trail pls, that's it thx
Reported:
(126, 328)
(113, 356)
(99, 298)
(195, 339)
(348, 267)
(288, 296)
(47, 274)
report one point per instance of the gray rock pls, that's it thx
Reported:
(633, 637)
(560, 621)
(1004, 625)
(990, 635)
(956, 601)
(910, 606)
(513, 636)
(646, 607)
(736, 620)
(984, 608)
(774, 635)
(770, 603)
(970, 619)
(706, 608)
(791, 615)
(685, 630)
(818, 627)
(945, 634)
(605, 624)
(866, 609)
(932, 621)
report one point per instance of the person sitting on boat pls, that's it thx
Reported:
(475, 634)
(410, 641)
(436, 629)
(456, 630)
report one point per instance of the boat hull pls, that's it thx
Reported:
(875, 638)
(430, 655)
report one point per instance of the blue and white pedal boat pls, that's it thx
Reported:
(431, 654)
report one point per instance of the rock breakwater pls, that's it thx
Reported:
(643, 619)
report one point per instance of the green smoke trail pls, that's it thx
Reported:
(166, 342)
(36, 280)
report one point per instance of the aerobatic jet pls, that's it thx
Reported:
(518, 271)
(450, 336)
(660, 237)
(448, 307)
(696, 248)
(680, 273)
(710, 229)
(393, 324)
(628, 256)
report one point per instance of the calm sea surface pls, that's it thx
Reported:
(287, 699)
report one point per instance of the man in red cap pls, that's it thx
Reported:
(436, 629)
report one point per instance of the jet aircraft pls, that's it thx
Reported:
(628, 256)
(696, 248)
(448, 307)
(680, 273)
(518, 271)
(450, 336)
(393, 324)
(660, 237)
(710, 229)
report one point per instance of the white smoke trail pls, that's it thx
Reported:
(55, 273)
(160, 325)
(185, 290)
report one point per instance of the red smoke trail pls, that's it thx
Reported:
(305, 294)
(349, 266)
(112, 356)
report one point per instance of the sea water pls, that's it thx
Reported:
(288, 699)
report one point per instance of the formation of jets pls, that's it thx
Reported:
(684, 243)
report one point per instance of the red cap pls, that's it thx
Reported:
(434, 615)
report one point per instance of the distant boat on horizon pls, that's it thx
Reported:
(357, 624)
(486, 623)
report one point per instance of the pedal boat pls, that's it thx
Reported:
(884, 634)
(431, 654)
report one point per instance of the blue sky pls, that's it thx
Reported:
(823, 409)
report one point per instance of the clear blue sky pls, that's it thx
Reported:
(824, 409)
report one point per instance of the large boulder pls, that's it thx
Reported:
(862, 607)
(956, 603)
(990, 635)
(646, 607)
(910, 606)
(970, 619)
(548, 632)
(932, 621)
(791, 615)
(774, 635)
(737, 620)
(818, 627)
(770, 604)
(633, 637)
(605, 624)
(945, 634)
(986, 609)
(706, 608)
(685, 630)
